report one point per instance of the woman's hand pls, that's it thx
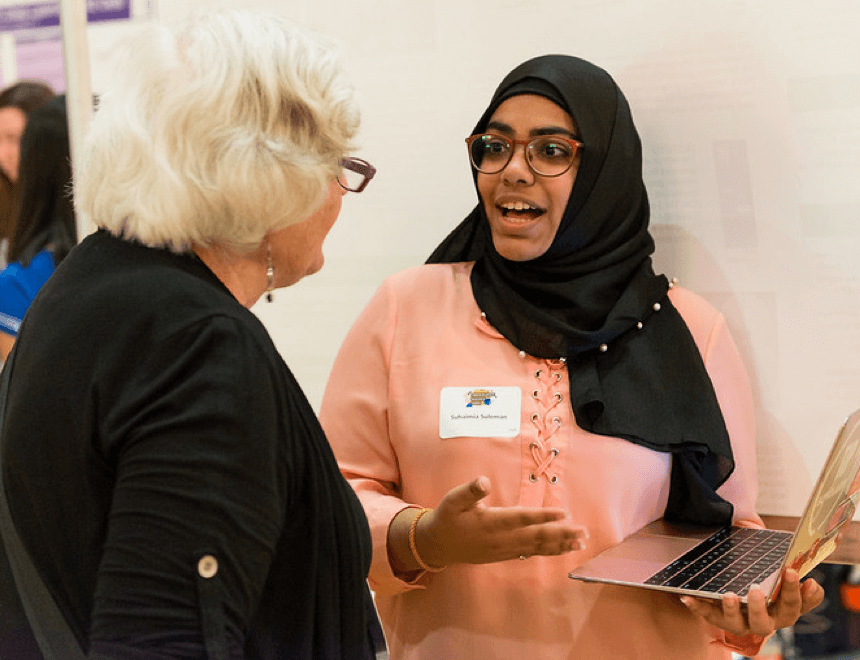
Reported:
(794, 600)
(462, 530)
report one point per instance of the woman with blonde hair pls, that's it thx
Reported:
(163, 469)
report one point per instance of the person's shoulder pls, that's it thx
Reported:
(106, 277)
(690, 302)
(43, 259)
(40, 268)
(11, 273)
(17, 281)
(428, 277)
(107, 263)
(699, 314)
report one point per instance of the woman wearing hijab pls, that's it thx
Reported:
(535, 394)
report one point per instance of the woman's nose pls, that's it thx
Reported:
(517, 170)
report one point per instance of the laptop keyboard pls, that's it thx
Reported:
(732, 559)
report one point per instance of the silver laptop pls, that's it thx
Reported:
(708, 562)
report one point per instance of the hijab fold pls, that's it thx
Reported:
(594, 299)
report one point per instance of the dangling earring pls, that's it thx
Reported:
(270, 273)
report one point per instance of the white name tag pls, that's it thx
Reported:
(479, 412)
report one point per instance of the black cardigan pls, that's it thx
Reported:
(151, 422)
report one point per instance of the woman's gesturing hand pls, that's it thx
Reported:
(463, 530)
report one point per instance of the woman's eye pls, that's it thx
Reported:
(495, 148)
(553, 149)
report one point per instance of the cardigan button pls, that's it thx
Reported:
(207, 567)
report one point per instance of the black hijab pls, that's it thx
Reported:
(593, 298)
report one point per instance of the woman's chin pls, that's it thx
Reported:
(519, 249)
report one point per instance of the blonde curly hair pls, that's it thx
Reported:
(215, 132)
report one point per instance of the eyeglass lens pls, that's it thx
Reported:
(546, 155)
(351, 180)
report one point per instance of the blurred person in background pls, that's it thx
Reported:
(44, 226)
(17, 102)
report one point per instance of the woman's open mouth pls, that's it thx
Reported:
(519, 210)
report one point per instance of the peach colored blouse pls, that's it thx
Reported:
(423, 332)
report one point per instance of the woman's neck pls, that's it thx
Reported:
(244, 275)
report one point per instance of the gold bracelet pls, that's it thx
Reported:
(414, 548)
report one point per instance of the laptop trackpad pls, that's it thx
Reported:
(637, 559)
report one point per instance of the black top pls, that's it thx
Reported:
(592, 297)
(152, 422)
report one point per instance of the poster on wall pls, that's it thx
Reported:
(31, 39)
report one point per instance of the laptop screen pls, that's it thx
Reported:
(832, 504)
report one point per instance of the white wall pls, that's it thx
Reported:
(748, 111)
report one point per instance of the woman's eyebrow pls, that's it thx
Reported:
(501, 127)
(505, 129)
(554, 130)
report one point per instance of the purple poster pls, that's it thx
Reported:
(47, 14)
(42, 60)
